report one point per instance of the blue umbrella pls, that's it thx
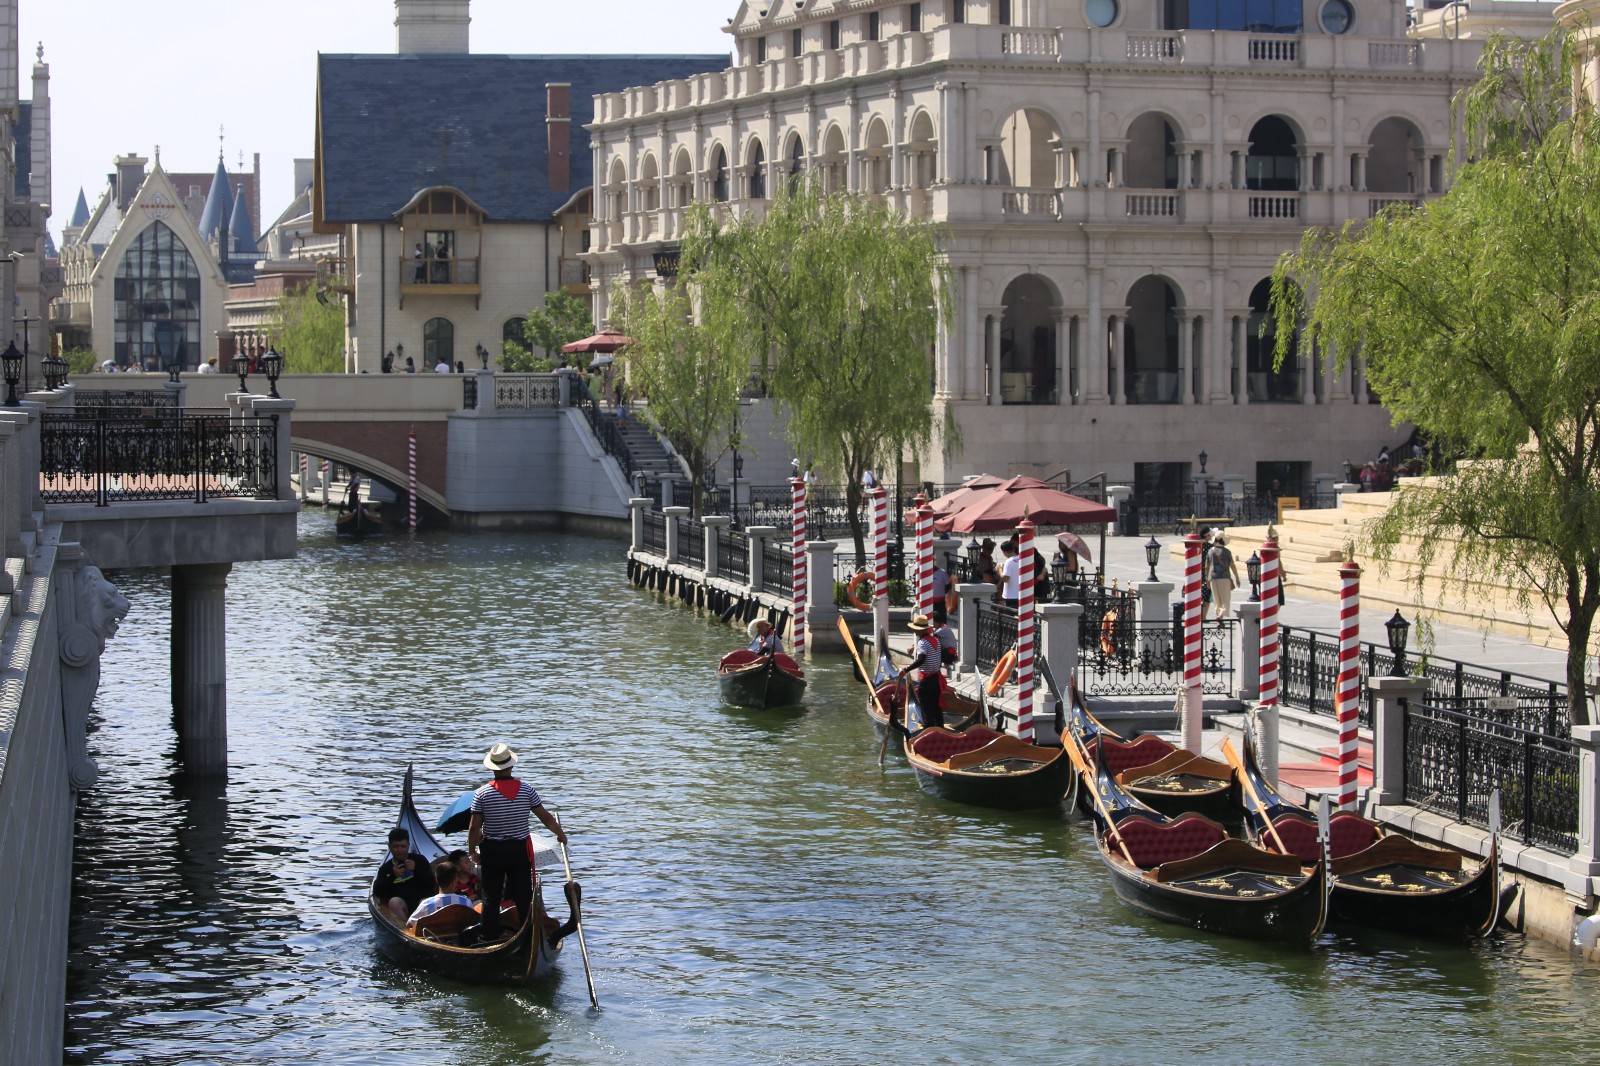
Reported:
(457, 815)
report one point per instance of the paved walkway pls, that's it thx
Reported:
(1125, 563)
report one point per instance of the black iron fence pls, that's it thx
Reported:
(610, 437)
(655, 532)
(777, 567)
(1145, 658)
(997, 633)
(124, 403)
(1455, 760)
(691, 543)
(469, 392)
(1308, 672)
(1250, 507)
(733, 554)
(174, 455)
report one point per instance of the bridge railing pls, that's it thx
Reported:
(178, 455)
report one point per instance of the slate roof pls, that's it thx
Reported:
(390, 126)
(240, 229)
(219, 204)
(80, 213)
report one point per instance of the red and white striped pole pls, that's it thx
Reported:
(1267, 717)
(880, 569)
(1025, 579)
(322, 481)
(798, 634)
(1193, 643)
(305, 474)
(1349, 691)
(924, 532)
(411, 479)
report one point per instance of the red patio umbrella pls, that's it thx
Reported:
(970, 490)
(607, 340)
(1006, 505)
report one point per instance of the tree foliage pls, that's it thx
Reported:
(308, 333)
(564, 318)
(693, 383)
(840, 299)
(1479, 318)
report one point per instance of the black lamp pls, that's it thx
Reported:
(55, 371)
(174, 371)
(1152, 554)
(1399, 629)
(1203, 458)
(483, 354)
(1060, 574)
(241, 366)
(1349, 472)
(272, 366)
(11, 364)
(1252, 567)
(399, 353)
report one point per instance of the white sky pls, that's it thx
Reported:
(125, 78)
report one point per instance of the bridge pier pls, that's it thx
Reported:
(200, 667)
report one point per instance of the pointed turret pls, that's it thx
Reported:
(219, 204)
(80, 213)
(240, 228)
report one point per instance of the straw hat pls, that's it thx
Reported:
(500, 757)
(919, 622)
(757, 627)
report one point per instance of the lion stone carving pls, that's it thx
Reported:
(97, 610)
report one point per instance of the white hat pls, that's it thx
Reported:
(500, 757)
(755, 627)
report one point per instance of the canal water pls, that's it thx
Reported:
(757, 889)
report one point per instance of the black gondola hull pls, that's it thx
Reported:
(760, 685)
(1048, 786)
(1218, 804)
(1464, 911)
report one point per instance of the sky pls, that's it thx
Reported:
(126, 79)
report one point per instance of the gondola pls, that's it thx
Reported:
(987, 768)
(751, 680)
(1189, 871)
(358, 521)
(1380, 880)
(438, 950)
(1169, 779)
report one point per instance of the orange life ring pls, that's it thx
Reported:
(1108, 632)
(1002, 672)
(854, 587)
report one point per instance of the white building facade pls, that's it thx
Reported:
(1116, 179)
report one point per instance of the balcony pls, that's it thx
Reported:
(433, 276)
(574, 276)
(68, 313)
(333, 274)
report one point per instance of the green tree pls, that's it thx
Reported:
(308, 333)
(564, 318)
(841, 299)
(1479, 318)
(81, 360)
(692, 382)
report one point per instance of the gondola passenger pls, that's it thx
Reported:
(926, 663)
(766, 640)
(445, 874)
(404, 880)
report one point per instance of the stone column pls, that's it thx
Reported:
(1248, 671)
(1059, 642)
(968, 596)
(1389, 737)
(1219, 350)
(1117, 498)
(758, 535)
(637, 506)
(822, 626)
(200, 666)
(1092, 362)
(673, 514)
(1063, 321)
(1154, 603)
(265, 409)
(1116, 372)
(1586, 863)
(713, 522)
(485, 389)
(1239, 385)
(991, 387)
(1185, 359)
(971, 354)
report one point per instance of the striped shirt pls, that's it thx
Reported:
(438, 903)
(928, 654)
(505, 819)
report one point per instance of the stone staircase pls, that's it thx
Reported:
(1313, 545)
(651, 457)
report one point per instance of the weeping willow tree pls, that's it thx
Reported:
(839, 299)
(308, 332)
(693, 383)
(1479, 318)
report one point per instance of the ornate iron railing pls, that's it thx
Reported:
(733, 554)
(469, 392)
(1454, 762)
(997, 633)
(655, 533)
(1136, 658)
(611, 440)
(1309, 673)
(777, 568)
(691, 543)
(527, 392)
(1119, 607)
(174, 456)
(124, 403)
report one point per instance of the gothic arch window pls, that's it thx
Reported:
(157, 293)
(438, 342)
(511, 332)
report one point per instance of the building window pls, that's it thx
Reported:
(438, 343)
(1337, 16)
(958, 11)
(511, 333)
(758, 172)
(1240, 16)
(719, 176)
(874, 26)
(797, 43)
(834, 39)
(1100, 13)
(761, 49)
(914, 18)
(1003, 14)
(797, 163)
(157, 293)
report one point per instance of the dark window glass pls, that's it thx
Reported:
(719, 176)
(796, 42)
(958, 10)
(914, 18)
(761, 49)
(1273, 164)
(833, 34)
(512, 330)
(1004, 14)
(1241, 16)
(873, 26)
(438, 342)
(758, 173)
(157, 296)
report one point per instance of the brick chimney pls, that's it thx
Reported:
(558, 133)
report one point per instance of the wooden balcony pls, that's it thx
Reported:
(433, 276)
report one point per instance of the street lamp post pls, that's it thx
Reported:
(272, 366)
(1399, 629)
(11, 365)
(241, 366)
(1152, 555)
(483, 354)
(1252, 568)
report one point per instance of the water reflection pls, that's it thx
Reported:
(758, 889)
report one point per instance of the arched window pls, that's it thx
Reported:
(157, 291)
(719, 175)
(512, 331)
(1263, 383)
(797, 163)
(438, 342)
(1273, 164)
(758, 172)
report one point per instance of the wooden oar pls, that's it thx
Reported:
(903, 691)
(1237, 763)
(872, 688)
(1080, 761)
(574, 894)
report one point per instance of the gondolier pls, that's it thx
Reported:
(927, 662)
(497, 838)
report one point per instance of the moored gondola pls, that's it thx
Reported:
(751, 680)
(1168, 779)
(1381, 880)
(528, 953)
(987, 768)
(1188, 871)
